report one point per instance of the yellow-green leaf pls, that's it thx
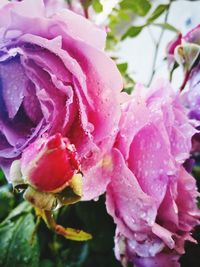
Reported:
(77, 235)
(140, 7)
(157, 12)
(133, 31)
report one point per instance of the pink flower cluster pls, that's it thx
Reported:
(60, 114)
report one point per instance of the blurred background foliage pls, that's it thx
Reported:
(128, 19)
(24, 239)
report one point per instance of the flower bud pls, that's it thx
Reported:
(49, 164)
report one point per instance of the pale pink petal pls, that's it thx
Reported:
(76, 25)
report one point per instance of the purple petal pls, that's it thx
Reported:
(14, 82)
(161, 260)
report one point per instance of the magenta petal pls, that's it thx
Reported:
(150, 162)
(103, 92)
(135, 116)
(130, 207)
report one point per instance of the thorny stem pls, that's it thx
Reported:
(157, 45)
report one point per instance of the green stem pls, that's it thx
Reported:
(157, 45)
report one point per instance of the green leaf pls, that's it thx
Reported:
(18, 243)
(95, 218)
(167, 26)
(157, 12)
(111, 41)
(46, 263)
(97, 6)
(122, 67)
(21, 209)
(2, 178)
(140, 7)
(133, 31)
(128, 89)
(75, 255)
(6, 201)
(123, 15)
(1, 174)
(175, 66)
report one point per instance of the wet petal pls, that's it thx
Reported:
(13, 82)
(130, 207)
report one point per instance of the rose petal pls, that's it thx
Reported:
(161, 260)
(131, 209)
(14, 81)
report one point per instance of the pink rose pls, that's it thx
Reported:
(151, 197)
(55, 77)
